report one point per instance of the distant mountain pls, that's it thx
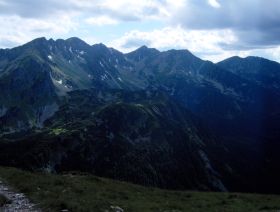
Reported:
(28, 94)
(224, 100)
(259, 70)
(168, 118)
(34, 75)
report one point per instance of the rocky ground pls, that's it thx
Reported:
(18, 201)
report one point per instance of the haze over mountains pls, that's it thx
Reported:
(166, 119)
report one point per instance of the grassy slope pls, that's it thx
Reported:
(90, 193)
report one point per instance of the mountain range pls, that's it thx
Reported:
(166, 119)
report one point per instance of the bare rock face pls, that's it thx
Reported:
(116, 209)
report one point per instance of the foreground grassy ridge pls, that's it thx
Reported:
(89, 193)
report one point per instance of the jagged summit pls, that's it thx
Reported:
(142, 53)
(100, 45)
(74, 39)
(40, 39)
(145, 49)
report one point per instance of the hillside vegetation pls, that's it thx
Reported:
(79, 192)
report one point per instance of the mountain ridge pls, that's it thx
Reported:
(54, 89)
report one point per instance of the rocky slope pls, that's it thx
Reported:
(17, 202)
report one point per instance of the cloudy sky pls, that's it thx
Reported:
(211, 29)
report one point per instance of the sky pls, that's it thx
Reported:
(211, 29)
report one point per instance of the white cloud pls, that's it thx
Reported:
(275, 53)
(101, 21)
(124, 10)
(203, 43)
(212, 29)
(135, 10)
(18, 31)
(27, 19)
(214, 3)
(255, 22)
